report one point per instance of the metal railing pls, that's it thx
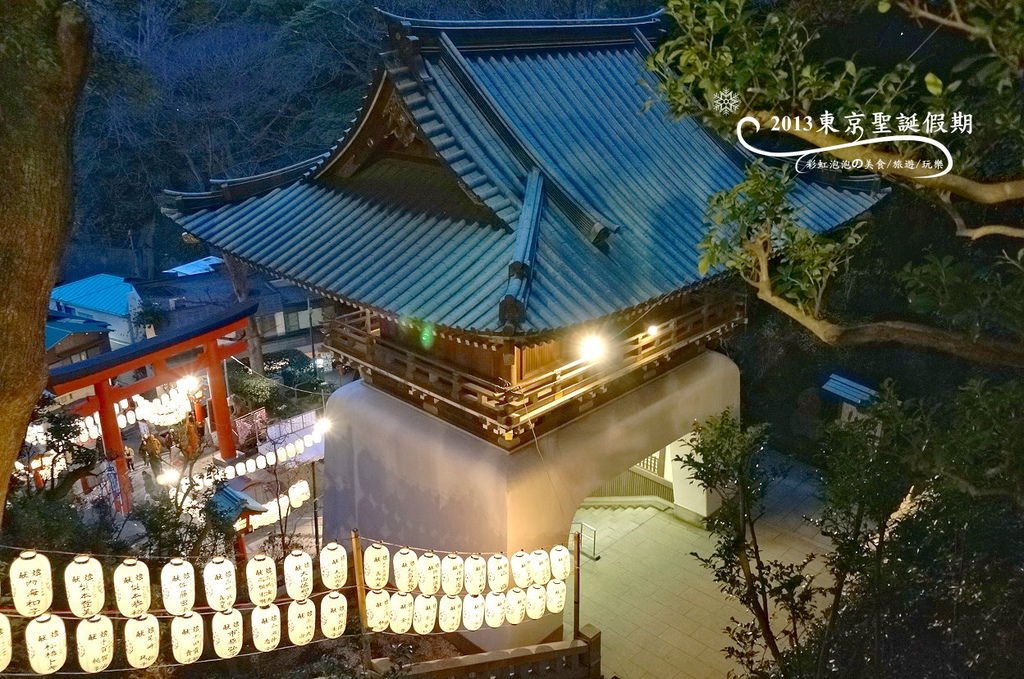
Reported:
(588, 539)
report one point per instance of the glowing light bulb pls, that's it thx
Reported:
(593, 348)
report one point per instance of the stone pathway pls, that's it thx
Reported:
(660, 614)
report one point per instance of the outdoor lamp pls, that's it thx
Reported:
(424, 614)
(475, 568)
(187, 637)
(404, 565)
(31, 584)
(266, 627)
(515, 606)
(536, 601)
(452, 574)
(131, 588)
(556, 596)
(561, 562)
(333, 614)
(83, 583)
(520, 566)
(401, 612)
(178, 586)
(378, 610)
(219, 583)
(652, 330)
(94, 639)
(301, 622)
(473, 612)
(494, 609)
(449, 613)
(334, 565)
(261, 579)
(142, 641)
(227, 633)
(497, 573)
(593, 348)
(428, 572)
(540, 567)
(46, 640)
(376, 560)
(298, 575)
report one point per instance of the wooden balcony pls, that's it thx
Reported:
(498, 409)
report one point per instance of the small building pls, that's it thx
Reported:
(286, 316)
(71, 338)
(103, 297)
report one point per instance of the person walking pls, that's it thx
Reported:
(129, 456)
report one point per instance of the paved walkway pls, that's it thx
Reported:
(660, 614)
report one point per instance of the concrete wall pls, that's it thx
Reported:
(400, 474)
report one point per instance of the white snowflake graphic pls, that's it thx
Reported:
(726, 102)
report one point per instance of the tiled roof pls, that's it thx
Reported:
(104, 292)
(611, 220)
(59, 327)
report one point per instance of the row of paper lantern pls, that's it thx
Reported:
(429, 573)
(400, 611)
(296, 496)
(47, 647)
(283, 453)
(32, 582)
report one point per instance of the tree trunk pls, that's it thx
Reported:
(39, 88)
(238, 272)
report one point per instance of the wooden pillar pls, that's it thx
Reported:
(219, 401)
(113, 445)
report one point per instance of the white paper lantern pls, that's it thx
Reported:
(561, 562)
(449, 613)
(428, 572)
(282, 454)
(261, 580)
(556, 596)
(424, 614)
(83, 582)
(219, 583)
(376, 562)
(31, 584)
(122, 420)
(239, 469)
(540, 567)
(266, 627)
(229, 472)
(250, 466)
(227, 633)
(178, 586)
(187, 637)
(301, 622)
(404, 565)
(94, 638)
(131, 417)
(6, 643)
(402, 604)
(378, 610)
(142, 641)
(475, 568)
(333, 565)
(497, 573)
(289, 450)
(473, 612)
(261, 462)
(298, 575)
(520, 566)
(515, 606)
(453, 571)
(536, 601)
(333, 614)
(494, 609)
(271, 458)
(46, 641)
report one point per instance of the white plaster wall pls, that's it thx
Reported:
(400, 474)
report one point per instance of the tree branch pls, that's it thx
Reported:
(974, 233)
(978, 192)
(916, 11)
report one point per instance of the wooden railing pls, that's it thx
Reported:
(502, 408)
(577, 659)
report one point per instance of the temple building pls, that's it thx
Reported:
(511, 229)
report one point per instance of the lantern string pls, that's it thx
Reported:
(442, 552)
(248, 654)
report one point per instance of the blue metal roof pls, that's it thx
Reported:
(849, 391)
(60, 326)
(614, 215)
(103, 292)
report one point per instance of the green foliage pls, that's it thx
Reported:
(41, 521)
(968, 295)
(753, 232)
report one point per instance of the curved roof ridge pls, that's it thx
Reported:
(447, 24)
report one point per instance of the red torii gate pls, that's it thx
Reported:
(204, 339)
